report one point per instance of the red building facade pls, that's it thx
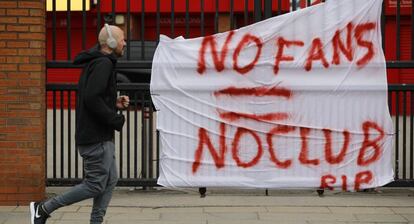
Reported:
(204, 18)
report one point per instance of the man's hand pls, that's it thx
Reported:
(122, 102)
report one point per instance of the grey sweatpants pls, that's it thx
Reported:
(100, 179)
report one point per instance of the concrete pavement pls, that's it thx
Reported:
(230, 206)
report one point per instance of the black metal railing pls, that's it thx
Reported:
(401, 105)
(137, 144)
(69, 32)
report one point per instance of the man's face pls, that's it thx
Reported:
(120, 48)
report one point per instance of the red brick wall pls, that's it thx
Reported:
(22, 101)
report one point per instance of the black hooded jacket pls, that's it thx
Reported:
(96, 112)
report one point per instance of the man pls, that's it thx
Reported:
(97, 118)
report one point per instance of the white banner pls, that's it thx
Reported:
(295, 101)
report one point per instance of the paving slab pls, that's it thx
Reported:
(381, 218)
(230, 206)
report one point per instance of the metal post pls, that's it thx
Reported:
(268, 8)
(257, 10)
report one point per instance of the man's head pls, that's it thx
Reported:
(117, 34)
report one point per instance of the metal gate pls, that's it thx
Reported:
(73, 26)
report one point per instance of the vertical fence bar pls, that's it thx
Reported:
(397, 137)
(121, 154)
(69, 135)
(158, 153)
(46, 170)
(76, 145)
(390, 108)
(113, 12)
(68, 36)
(98, 18)
(390, 101)
(128, 28)
(257, 10)
(54, 30)
(404, 143)
(398, 33)
(158, 21)
(294, 6)
(279, 7)
(151, 151)
(390, 105)
(232, 14)
(172, 19)
(143, 138)
(383, 26)
(216, 17)
(268, 8)
(202, 17)
(83, 24)
(246, 12)
(82, 162)
(54, 133)
(143, 29)
(135, 134)
(411, 133)
(128, 145)
(187, 18)
(62, 128)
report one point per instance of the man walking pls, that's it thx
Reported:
(97, 118)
